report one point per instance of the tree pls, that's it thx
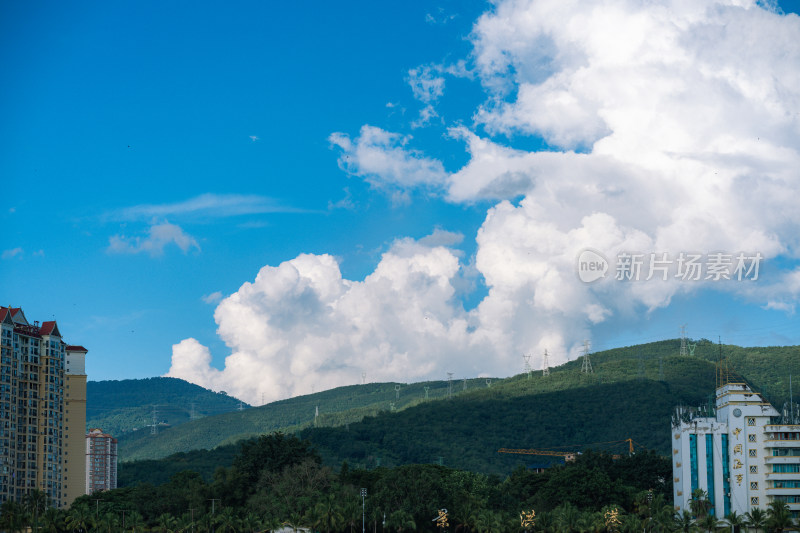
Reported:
(79, 518)
(683, 522)
(401, 521)
(710, 523)
(327, 515)
(699, 504)
(166, 523)
(12, 516)
(53, 520)
(736, 521)
(757, 519)
(35, 503)
(779, 517)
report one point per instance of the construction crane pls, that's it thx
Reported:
(570, 456)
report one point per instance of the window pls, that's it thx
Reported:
(753, 469)
(751, 421)
(752, 453)
(754, 485)
(751, 438)
(754, 500)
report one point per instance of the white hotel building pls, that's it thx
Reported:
(743, 456)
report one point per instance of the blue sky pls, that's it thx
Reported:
(407, 163)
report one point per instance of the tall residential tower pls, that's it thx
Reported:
(33, 441)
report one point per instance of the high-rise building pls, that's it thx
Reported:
(34, 445)
(101, 461)
(74, 440)
(742, 453)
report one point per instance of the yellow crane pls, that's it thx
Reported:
(570, 456)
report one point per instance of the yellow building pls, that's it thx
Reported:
(34, 444)
(74, 440)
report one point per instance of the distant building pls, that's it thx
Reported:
(101, 461)
(35, 441)
(743, 454)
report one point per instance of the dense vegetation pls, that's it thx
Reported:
(119, 407)
(689, 380)
(278, 480)
(281, 479)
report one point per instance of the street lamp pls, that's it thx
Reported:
(363, 514)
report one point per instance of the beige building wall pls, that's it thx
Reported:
(74, 439)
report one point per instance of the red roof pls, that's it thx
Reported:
(77, 349)
(48, 328)
(5, 310)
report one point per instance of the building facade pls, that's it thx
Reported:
(74, 444)
(101, 461)
(32, 408)
(742, 453)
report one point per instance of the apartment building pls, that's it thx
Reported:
(101, 461)
(743, 453)
(33, 441)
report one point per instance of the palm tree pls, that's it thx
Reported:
(736, 521)
(53, 520)
(109, 522)
(166, 523)
(683, 522)
(710, 523)
(227, 521)
(567, 516)
(12, 516)
(134, 520)
(779, 517)
(35, 503)
(251, 523)
(400, 521)
(699, 504)
(756, 519)
(79, 518)
(327, 515)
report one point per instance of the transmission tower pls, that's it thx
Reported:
(464, 387)
(154, 427)
(586, 367)
(241, 406)
(397, 392)
(683, 340)
(192, 414)
(449, 385)
(545, 364)
(316, 415)
(527, 359)
(363, 378)
(489, 382)
(426, 391)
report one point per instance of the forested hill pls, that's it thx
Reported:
(118, 407)
(631, 394)
(672, 380)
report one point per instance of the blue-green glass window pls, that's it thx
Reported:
(726, 476)
(693, 461)
(710, 470)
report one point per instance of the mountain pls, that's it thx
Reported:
(120, 407)
(631, 394)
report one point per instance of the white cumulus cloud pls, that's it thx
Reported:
(671, 127)
(159, 236)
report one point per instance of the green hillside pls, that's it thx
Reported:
(119, 407)
(630, 394)
(336, 407)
